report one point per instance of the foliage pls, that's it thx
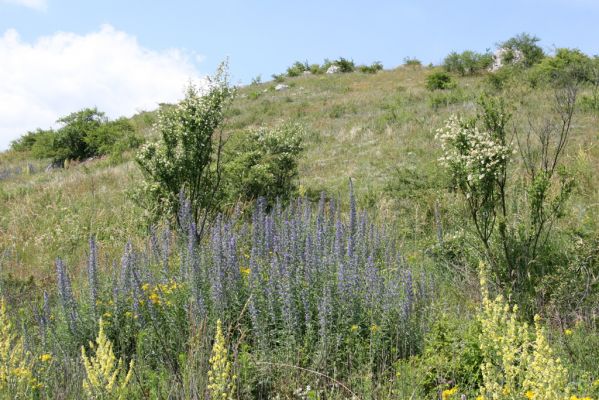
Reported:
(16, 376)
(187, 159)
(345, 65)
(524, 44)
(297, 69)
(221, 381)
(477, 153)
(468, 62)
(516, 363)
(451, 355)
(567, 66)
(412, 62)
(105, 376)
(372, 68)
(299, 278)
(28, 140)
(113, 137)
(83, 134)
(263, 163)
(439, 81)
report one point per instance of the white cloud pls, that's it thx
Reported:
(65, 72)
(40, 5)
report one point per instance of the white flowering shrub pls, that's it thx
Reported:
(185, 163)
(477, 159)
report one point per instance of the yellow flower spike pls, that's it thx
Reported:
(220, 382)
(16, 375)
(103, 371)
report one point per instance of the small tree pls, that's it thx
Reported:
(477, 155)
(186, 162)
(71, 140)
(523, 44)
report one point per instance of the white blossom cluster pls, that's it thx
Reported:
(474, 157)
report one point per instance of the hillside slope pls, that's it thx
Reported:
(377, 129)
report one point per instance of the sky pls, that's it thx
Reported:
(59, 56)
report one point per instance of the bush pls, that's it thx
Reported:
(345, 66)
(71, 141)
(524, 45)
(439, 81)
(372, 68)
(278, 77)
(263, 163)
(113, 137)
(412, 62)
(84, 134)
(567, 66)
(186, 161)
(467, 62)
(297, 69)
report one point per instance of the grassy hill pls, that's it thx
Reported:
(379, 130)
(376, 129)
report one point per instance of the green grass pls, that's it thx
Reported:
(377, 129)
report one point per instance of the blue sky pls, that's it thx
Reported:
(125, 56)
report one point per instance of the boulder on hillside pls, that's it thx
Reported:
(333, 69)
(504, 56)
(281, 87)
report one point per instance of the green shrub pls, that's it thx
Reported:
(499, 79)
(113, 137)
(278, 77)
(26, 142)
(452, 356)
(567, 66)
(439, 81)
(263, 163)
(186, 160)
(71, 141)
(297, 69)
(523, 44)
(372, 68)
(468, 62)
(412, 62)
(316, 69)
(345, 66)
(84, 134)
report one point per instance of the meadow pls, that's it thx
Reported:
(369, 281)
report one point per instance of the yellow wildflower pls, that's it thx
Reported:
(529, 394)
(447, 393)
(104, 374)
(145, 287)
(568, 332)
(244, 271)
(15, 374)
(154, 298)
(220, 382)
(374, 328)
(107, 315)
(354, 328)
(46, 357)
